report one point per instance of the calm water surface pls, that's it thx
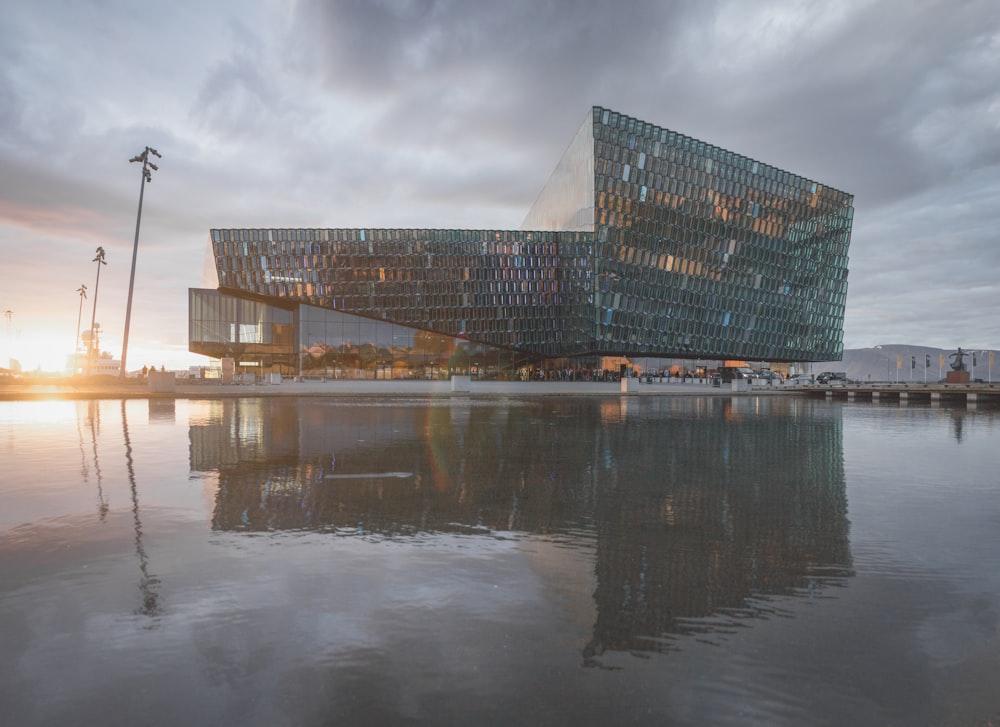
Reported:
(622, 560)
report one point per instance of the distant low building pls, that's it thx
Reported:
(644, 242)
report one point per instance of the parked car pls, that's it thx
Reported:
(772, 377)
(731, 373)
(828, 377)
(799, 380)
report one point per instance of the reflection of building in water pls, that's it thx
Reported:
(705, 513)
(328, 464)
(162, 410)
(233, 432)
(698, 504)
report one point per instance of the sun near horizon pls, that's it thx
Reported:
(51, 351)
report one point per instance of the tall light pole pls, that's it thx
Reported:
(99, 259)
(147, 176)
(8, 314)
(82, 290)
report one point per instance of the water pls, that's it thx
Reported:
(621, 560)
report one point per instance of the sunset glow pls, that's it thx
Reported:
(51, 352)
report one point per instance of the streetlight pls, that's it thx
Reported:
(8, 314)
(99, 259)
(82, 290)
(147, 176)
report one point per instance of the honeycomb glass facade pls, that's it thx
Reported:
(644, 242)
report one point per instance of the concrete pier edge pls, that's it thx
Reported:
(369, 387)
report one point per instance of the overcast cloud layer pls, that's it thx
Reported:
(452, 113)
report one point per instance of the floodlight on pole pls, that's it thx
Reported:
(99, 259)
(82, 290)
(147, 176)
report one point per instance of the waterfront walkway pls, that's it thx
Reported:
(187, 389)
(167, 388)
(909, 391)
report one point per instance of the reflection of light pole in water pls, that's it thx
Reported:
(147, 176)
(84, 471)
(148, 583)
(94, 416)
(82, 290)
(99, 259)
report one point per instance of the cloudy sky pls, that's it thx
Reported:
(452, 113)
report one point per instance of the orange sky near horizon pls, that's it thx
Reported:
(50, 350)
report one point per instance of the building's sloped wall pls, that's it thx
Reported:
(566, 202)
(706, 253)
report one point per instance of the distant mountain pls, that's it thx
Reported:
(900, 362)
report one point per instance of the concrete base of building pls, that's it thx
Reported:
(161, 382)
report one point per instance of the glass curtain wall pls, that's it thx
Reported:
(341, 346)
(704, 252)
(317, 343)
(258, 336)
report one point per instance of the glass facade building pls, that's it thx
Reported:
(644, 242)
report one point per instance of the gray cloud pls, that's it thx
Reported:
(448, 113)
